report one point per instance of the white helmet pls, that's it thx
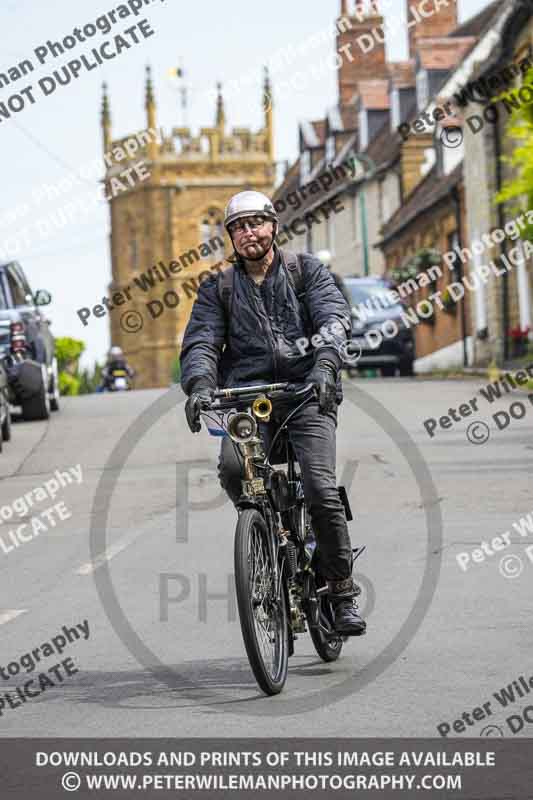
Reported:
(250, 204)
(116, 352)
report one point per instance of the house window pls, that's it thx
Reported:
(330, 149)
(211, 227)
(395, 109)
(422, 89)
(452, 242)
(305, 166)
(384, 202)
(363, 130)
(451, 149)
(331, 235)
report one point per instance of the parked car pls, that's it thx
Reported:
(27, 346)
(396, 353)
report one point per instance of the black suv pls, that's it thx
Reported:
(371, 307)
(26, 345)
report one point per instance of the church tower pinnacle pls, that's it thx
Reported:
(106, 119)
(221, 114)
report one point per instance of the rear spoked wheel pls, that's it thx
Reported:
(261, 603)
(327, 645)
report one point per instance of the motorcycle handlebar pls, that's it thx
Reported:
(227, 397)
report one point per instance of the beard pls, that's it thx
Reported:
(257, 249)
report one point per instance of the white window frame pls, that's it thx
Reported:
(330, 149)
(422, 89)
(305, 166)
(363, 129)
(396, 113)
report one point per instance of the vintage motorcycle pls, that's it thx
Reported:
(278, 583)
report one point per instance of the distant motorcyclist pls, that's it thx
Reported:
(116, 361)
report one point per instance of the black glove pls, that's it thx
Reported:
(200, 394)
(324, 377)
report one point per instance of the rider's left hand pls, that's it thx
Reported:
(324, 377)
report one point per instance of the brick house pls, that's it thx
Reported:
(413, 194)
(504, 302)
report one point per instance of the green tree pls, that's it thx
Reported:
(520, 129)
(68, 384)
(68, 352)
(72, 381)
(90, 379)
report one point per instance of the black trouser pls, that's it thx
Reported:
(312, 436)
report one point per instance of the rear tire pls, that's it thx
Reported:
(38, 406)
(54, 388)
(264, 621)
(6, 426)
(388, 372)
(328, 649)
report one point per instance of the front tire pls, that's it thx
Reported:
(262, 614)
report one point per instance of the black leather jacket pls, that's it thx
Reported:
(258, 343)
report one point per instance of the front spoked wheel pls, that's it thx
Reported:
(261, 603)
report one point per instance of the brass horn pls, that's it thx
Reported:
(262, 408)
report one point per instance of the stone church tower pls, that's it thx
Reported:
(166, 228)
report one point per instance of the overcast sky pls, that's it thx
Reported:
(54, 137)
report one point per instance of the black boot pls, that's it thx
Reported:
(342, 597)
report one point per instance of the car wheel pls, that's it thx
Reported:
(388, 371)
(54, 388)
(406, 370)
(38, 406)
(6, 425)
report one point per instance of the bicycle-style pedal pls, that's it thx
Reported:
(357, 551)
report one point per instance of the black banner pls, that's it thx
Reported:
(212, 768)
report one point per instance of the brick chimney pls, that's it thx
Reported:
(442, 22)
(415, 152)
(360, 46)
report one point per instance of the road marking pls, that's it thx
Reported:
(7, 616)
(91, 566)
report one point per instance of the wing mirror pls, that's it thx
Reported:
(42, 297)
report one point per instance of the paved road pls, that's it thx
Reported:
(475, 638)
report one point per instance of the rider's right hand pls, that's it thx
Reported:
(199, 396)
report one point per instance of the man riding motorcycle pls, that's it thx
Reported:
(116, 360)
(254, 341)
